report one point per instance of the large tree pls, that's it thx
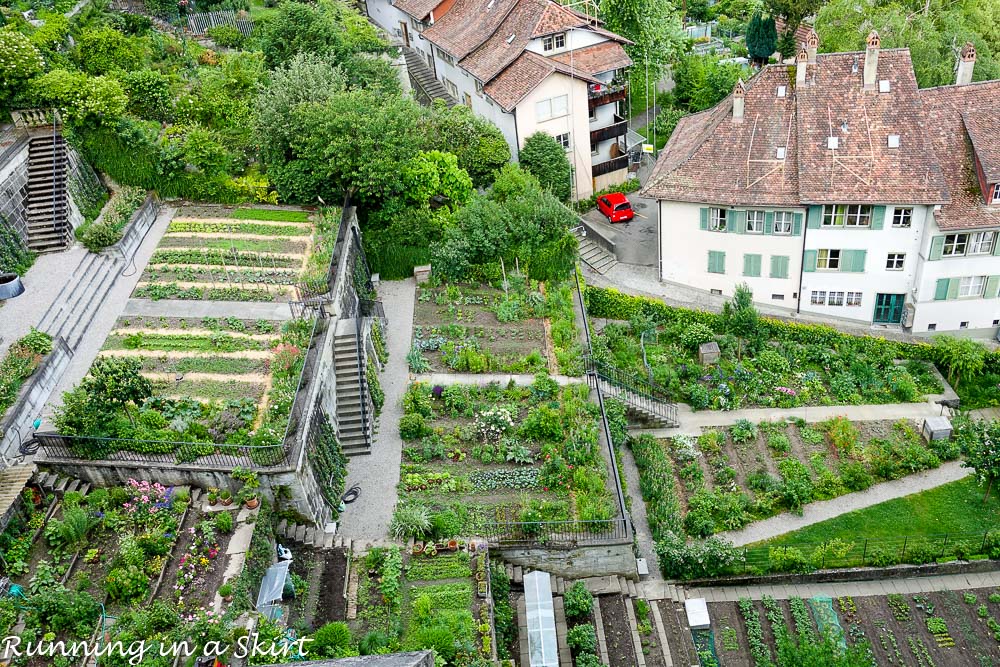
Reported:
(545, 158)
(703, 81)
(653, 26)
(793, 11)
(477, 143)
(762, 38)
(983, 453)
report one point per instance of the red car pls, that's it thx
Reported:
(615, 207)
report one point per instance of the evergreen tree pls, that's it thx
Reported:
(762, 38)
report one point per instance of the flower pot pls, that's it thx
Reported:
(453, 545)
(226, 502)
(418, 547)
(228, 598)
(252, 503)
(212, 502)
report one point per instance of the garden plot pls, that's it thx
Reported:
(482, 329)
(926, 630)
(779, 373)
(482, 455)
(259, 256)
(727, 478)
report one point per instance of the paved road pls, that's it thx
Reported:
(635, 241)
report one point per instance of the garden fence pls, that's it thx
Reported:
(558, 534)
(199, 23)
(867, 552)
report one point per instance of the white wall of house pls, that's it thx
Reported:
(685, 251)
(575, 122)
(575, 39)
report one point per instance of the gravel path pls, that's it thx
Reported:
(483, 379)
(828, 509)
(640, 522)
(378, 474)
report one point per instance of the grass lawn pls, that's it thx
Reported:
(956, 507)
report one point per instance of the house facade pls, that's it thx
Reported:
(836, 187)
(527, 66)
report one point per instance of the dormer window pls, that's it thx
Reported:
(554, 42)
(996, 194)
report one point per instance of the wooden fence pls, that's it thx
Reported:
(199, 23)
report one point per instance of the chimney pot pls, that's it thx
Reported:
(966, 63)
(739, 101)
(812, 44)
(801, 62)
(871, 60)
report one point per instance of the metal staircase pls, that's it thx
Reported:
(47, 200)
(644, 399)
(355, 412)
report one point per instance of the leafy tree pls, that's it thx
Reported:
(654, 27)
(117, 383)
(20, 61)
(326, 28)
(435, 177)
(82, 98)
(148, 93)
(787, 45)
(792, 11)
(739, 317)
(961, 356)
(543, 157)
(702, 81)
(103, 50)
(983, 453)
(667, 120)
(762, 38)
(478, 144)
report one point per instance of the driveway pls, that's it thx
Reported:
(635, 241)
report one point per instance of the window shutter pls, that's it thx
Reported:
(809, 261)
(878, 217)
(779, 266)
(769, 222)
(992, 287)
(815, 217)
(704, 218)
(751, 265)
(953, 285)
(858, 261)
(941, 289)
(996, 244)
(739, 219)
(716, 261)
(937, 247)
(796, 224)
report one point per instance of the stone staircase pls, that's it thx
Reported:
(47, 201)
(423, 78)
(355, 413)
(595, 256)
(72, 312)
(60, 485)
(639, 407)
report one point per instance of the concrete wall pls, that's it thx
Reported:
(13, 179)
(16, 426)
(596, 561)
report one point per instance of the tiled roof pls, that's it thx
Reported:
(801, 32)
(595, 59)
(953, 113)
(469, 23)
(557, 18)
(507, 42)
(523, 75)
(983, 127)
(711, 158)
(418, 9)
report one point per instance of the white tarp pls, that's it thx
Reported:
(271, 588)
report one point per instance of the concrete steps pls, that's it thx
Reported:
(46, 204)
(54, 483)
(424, 79)
(596, 257)
(355, 414)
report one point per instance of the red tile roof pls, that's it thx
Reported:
(953, 114)
(983, 127)
(595, 59)
(418, 9)
(522, 76)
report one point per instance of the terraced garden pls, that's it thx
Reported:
(219, 254)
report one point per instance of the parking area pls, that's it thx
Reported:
(635, 241)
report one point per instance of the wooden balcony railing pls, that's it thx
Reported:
(617, 129)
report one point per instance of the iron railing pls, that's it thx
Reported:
(600, 95)
(557, 534)
(631, 389)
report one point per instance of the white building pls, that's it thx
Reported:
(527, 66)
(836, 187)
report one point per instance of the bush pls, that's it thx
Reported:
(411, 520)
(413, 427)
(125, 584)
(582, 638)
(333, 640)
(789, 559)
(588, 660)
(99, 235)
(225, 36)
(224, 522)
(694, 335)
(578, 602)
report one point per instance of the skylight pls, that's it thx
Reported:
(780, 153)
(893, 141)
(883, 85)
(781, 91)
(511, 38)
(832, 142)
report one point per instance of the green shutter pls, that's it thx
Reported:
(815, 217)
(736, 222)
(853, 261)
(878, 217)
(996, 244)
(809, 261)
(779, 266)
(992, 287)
(716, 261)
(937, 247)
(953, 286)
(769, 222)
(751, 265)
(941, 289)
(796, 223)
(704, 218)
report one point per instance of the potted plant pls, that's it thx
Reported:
(418, 548)
(453, 545)
(248, 497)
(213, 497)
(248, 494)
(226, 592)
(225, 497)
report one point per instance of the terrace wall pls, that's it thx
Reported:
(578, 563)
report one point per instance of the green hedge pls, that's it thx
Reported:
(612, 304)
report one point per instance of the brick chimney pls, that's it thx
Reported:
(812, 44)
(739, 101)
(966, 62)
(871, 60)
(801, 61)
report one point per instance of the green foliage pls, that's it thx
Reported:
(702, 81)
(578, 602)
(654, 28)
(582, 638)
(21, 360)
(104, 50)
(69, 533)
(14, 255)
(410, 520)
(413, 426)
(148, 93)
(21, 61)
(478, 145)
(117, 215)
(125, 584)
(332, 640)
(962, 357)
(226, 36)
(762, 37)
(983, 451)
(545, 159)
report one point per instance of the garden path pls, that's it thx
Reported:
(483, 379)
(368, 518)
(217, 309)
(828, 509)
(909, 586)
(640, 521)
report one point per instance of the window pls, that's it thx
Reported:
(468, 100)
(963, 325)
(955, 245)
(981, 243)
(717, 292)
(894, 261)
(593, 114)
(996, 193)
(901, 217)
(479, 88)
(452, 88)
(996, 322)
(835, 299)
(971, 287)
(828, 260)
(932, 327)
(716, 261)
(717, 219)
(847, 215)
(755, 222)
(563, 140)
(552, 107)
(818, 298)
(553, 42)
(854, 298)
(444, 56)
(783, 222)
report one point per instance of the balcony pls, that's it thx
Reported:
(611, 165)
(617, 129)
(599, 94)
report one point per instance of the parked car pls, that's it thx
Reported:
(615, 207)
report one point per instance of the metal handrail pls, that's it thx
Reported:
(558, 534)
(645, 360)
(632, 389)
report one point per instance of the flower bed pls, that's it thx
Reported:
(477, 455)
(20, 362)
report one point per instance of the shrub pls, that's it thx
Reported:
(410, 520)
(588, 660)
(99, 235)
(226, 36)
(413, 426)
(331, 641)
(373, 643)
(743, 431)
(694, 335)
(578, 602)
(224, 522)
(582, 638)
(882, 557)
(789, 559)
(125, 584)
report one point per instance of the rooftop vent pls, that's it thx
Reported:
(832, 143)
(883, 85)
(782, 90)
(511, 38)
(893, 141)
(780, 153)
(489, 5)
(844, 126)
(854, 66)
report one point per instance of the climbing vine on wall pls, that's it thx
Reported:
(14, 256)
(329, 464)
